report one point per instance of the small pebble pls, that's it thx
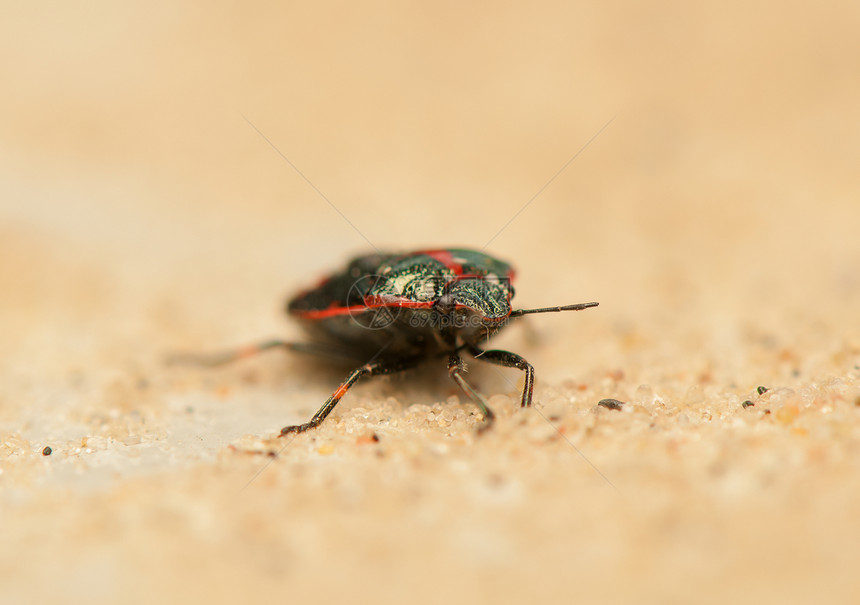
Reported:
(611, 404)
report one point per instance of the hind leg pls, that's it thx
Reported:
(224, 357)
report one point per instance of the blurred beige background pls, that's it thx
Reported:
(714, 216)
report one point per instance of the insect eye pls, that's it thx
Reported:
(446, 303)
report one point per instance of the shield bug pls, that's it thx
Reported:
(389, 312)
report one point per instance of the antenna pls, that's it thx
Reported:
(578, 307)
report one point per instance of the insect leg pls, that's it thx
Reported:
(224, 357)
(455, 371)
(374, 368)
(510, 360)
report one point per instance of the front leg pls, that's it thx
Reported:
(455, 371)
(509, 360)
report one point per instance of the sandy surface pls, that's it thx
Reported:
(149, 206)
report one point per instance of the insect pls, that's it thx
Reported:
(390, 312)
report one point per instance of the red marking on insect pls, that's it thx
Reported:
(445, 257)
(323, 314)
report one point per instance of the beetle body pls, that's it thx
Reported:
(420, 303)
